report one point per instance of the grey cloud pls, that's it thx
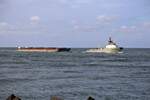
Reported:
(140, 28)
(104, 19)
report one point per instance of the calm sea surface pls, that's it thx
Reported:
(75, 75)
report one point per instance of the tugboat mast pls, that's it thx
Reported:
(110, 40)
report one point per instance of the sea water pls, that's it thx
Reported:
(75, 75)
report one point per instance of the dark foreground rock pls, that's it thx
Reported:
(13, 97)
(90, 98)
(55, 98)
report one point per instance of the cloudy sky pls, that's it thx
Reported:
(74, 23)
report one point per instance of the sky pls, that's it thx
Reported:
(74, 23)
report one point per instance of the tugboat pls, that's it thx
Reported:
(43, 49)
(111, 47)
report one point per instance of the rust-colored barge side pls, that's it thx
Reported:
(42, 49)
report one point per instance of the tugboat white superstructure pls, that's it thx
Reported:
(111, 47)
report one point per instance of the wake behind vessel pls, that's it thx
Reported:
(111, 47)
